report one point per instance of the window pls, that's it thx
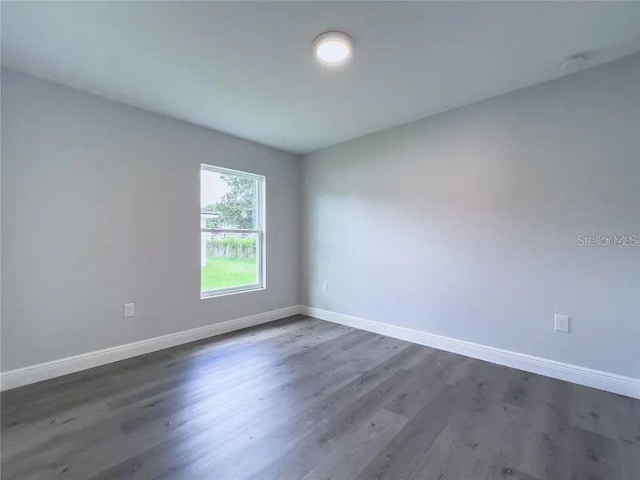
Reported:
(231, 231)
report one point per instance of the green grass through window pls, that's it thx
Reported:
(227, 273)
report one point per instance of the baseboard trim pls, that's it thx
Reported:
(56, 368)
(609, 382)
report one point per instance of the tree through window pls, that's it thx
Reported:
(232, 231)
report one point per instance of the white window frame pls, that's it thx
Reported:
(259, 231)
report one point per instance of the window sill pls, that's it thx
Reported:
(230, 291)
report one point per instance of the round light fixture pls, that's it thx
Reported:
(333, 48)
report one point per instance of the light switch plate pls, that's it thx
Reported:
(561, 323)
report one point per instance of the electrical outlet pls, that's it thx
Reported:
(129, 310)
(561, 323)
(325, 288)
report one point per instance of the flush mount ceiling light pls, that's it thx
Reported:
(333, 48)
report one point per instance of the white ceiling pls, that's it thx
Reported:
(247, 69)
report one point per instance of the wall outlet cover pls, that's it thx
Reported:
(129, 310)
(561, 323)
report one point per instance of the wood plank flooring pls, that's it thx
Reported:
(307, 399)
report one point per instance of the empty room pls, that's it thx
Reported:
(317, 240)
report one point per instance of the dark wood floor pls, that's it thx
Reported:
(306, 399)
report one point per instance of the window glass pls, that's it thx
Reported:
(232, 231)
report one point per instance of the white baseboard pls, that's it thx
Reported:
(44, 371)
(609, 382)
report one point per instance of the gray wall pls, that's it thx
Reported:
(100, 206)
(464, 224)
